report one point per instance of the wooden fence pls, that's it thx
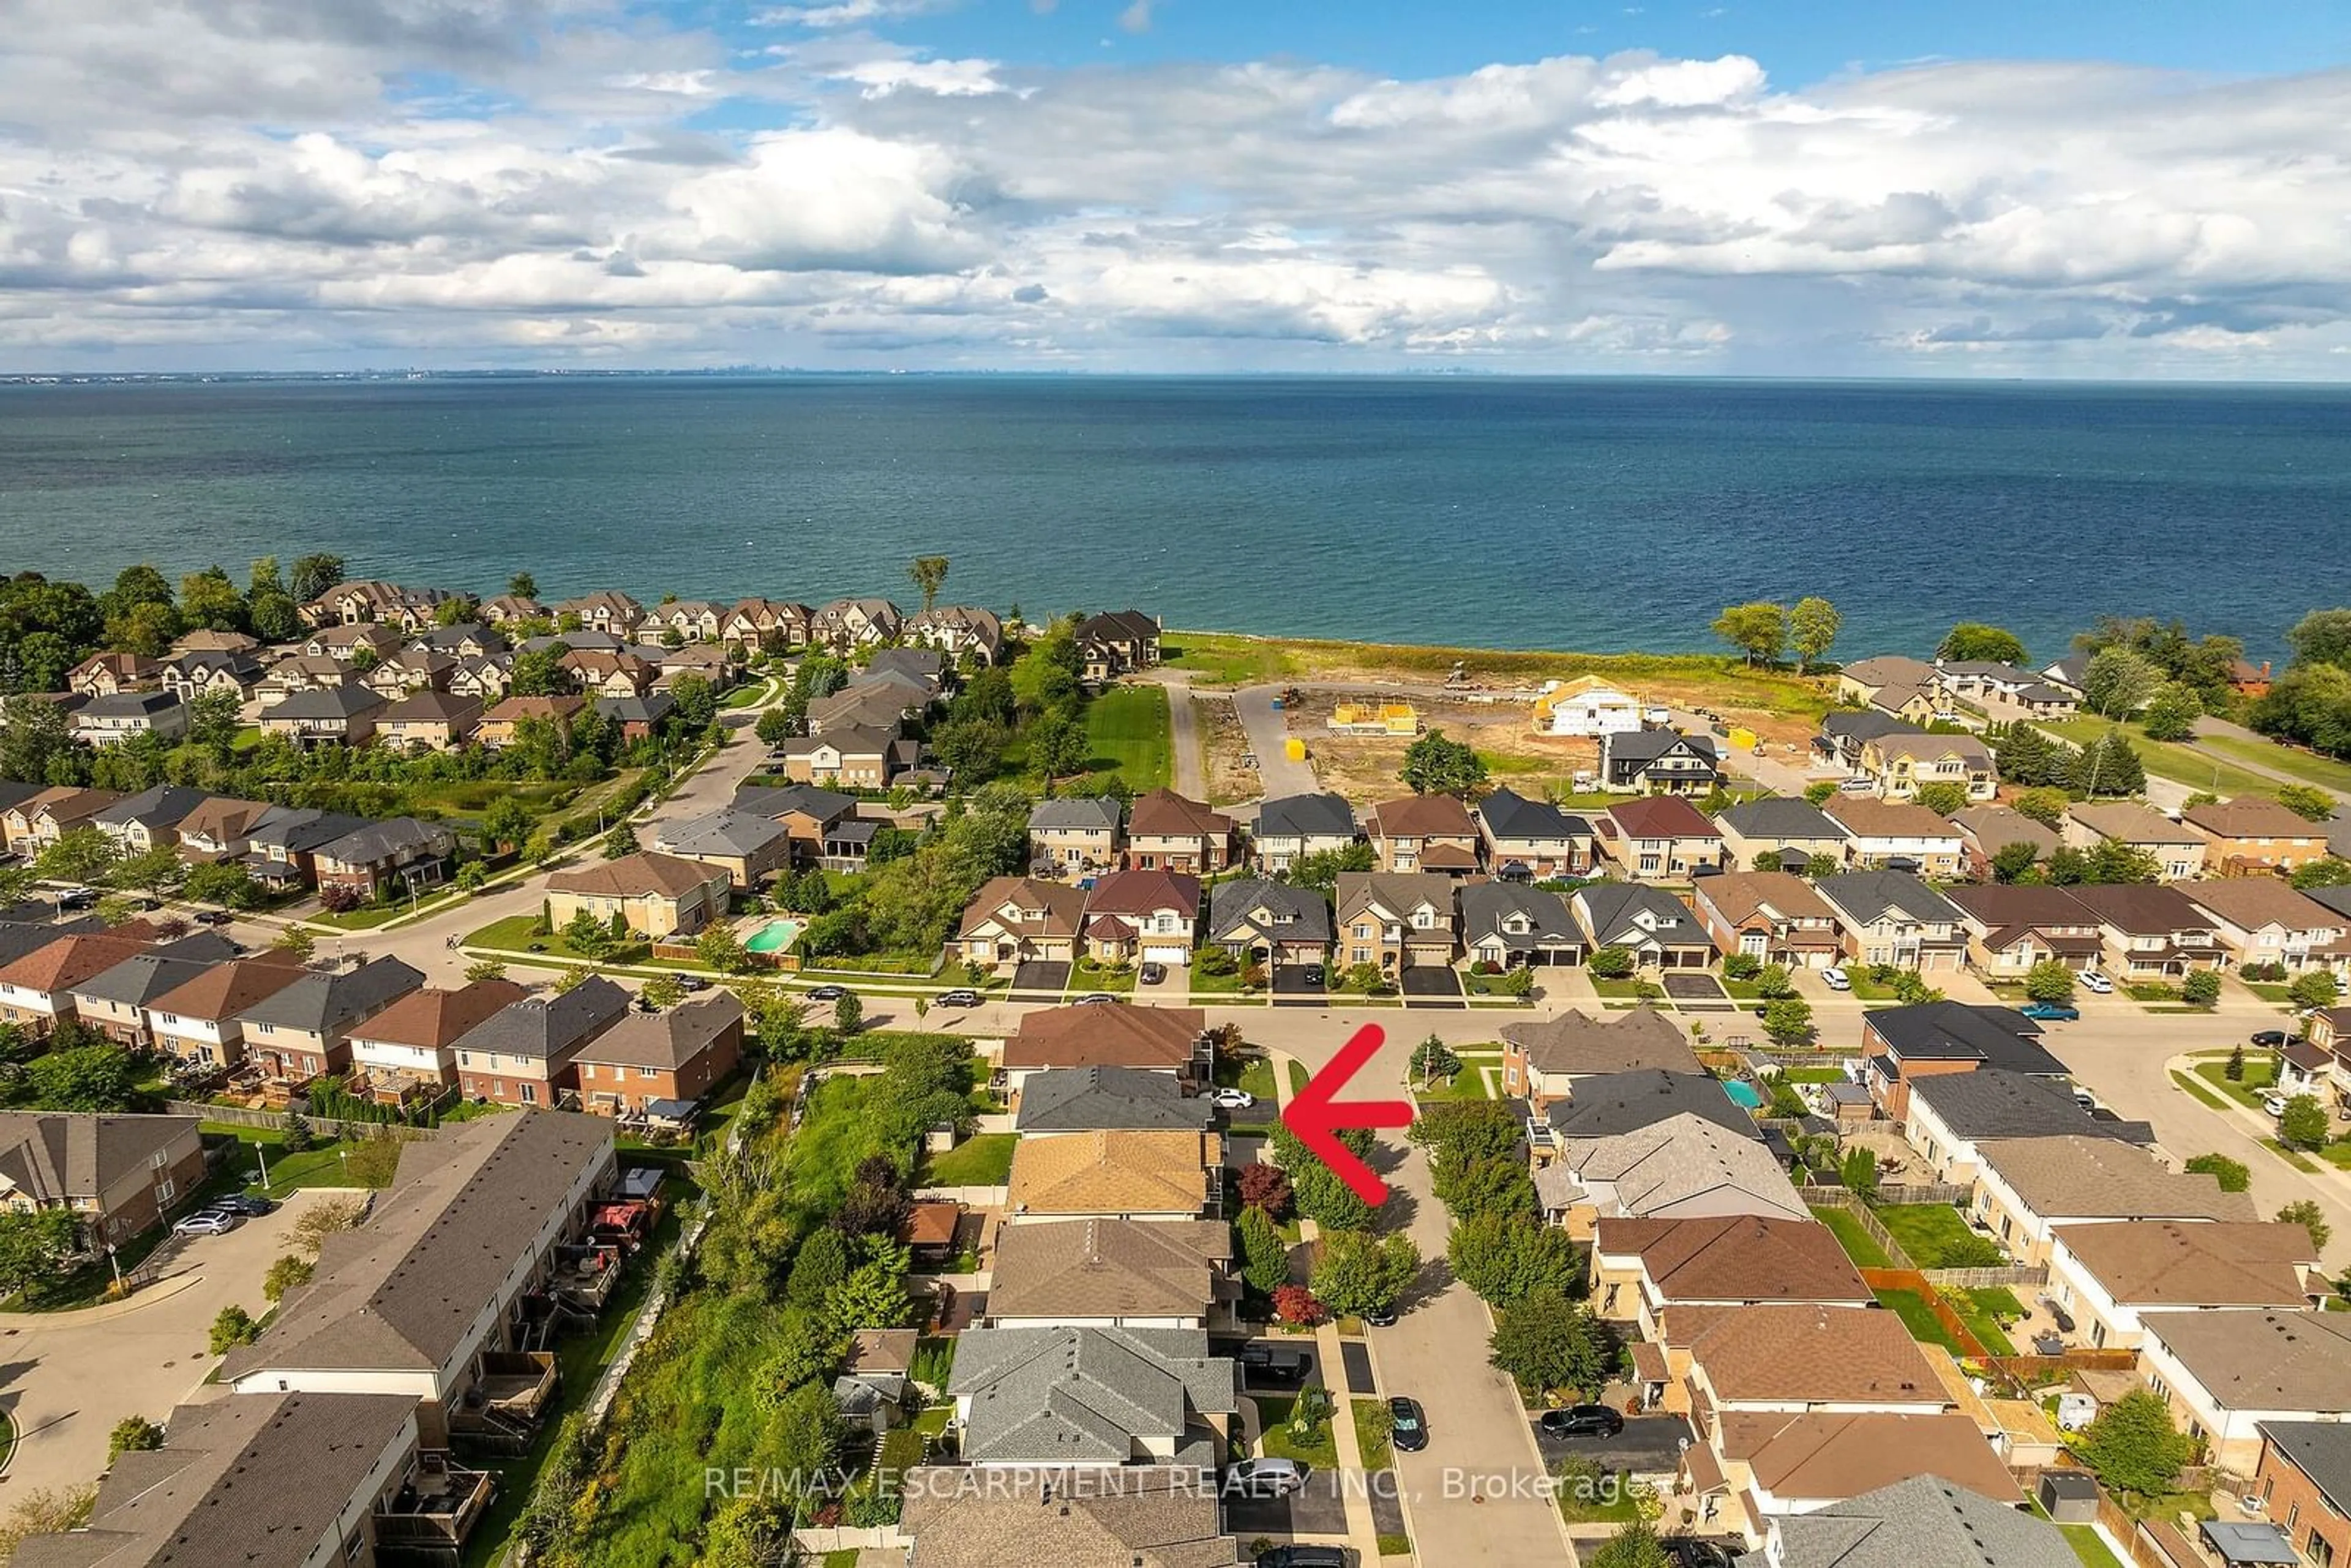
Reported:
(1839, 1198)
(1925, 1192)
(273, 1121)
(1987, 1279)
(1917, 1284)
(2152, 1543)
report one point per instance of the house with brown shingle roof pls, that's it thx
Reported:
(1773, 916)
(1017, 919)
(1150, 916)
(116, 1175)
(1542, 1060)
(1113, 1273)
(498, 724)
(33, 824)
(1173, 1041)
(1424, 832)
(1134, 1518)
(2233, 1376)
(2178, 849)
(1759, 1468)
(1643, 1268)
(2151, 931)
(1660, 838)
(1985, 831)
(2263, 921)
(201, 1022)
(1167, 832)
(1785, 1358)
(1895, 834)
(37, 989)
(2010, 927)
(2116, 1279)
(1150, 1175)
(412, 1043)
(1397, 920)
(679, 1054)
(2253, 837)
(657, 894)
(2027, 1189)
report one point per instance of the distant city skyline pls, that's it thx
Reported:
(1177, 187)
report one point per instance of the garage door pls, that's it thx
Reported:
(1166, 955)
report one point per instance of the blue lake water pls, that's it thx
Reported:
(1589, 514)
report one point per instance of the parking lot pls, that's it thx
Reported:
(1649, 1445)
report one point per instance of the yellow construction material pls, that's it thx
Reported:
(1294, 748)
(1385, 718)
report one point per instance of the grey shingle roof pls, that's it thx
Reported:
(1995, 1103)
(303, 828)
(1084, 1394)
(1577, 1044)
(1489, 907)
(1613, 909)
(1779, 817)
(1077, 813)
(403, 1290)
(1306, 816)
(326, 1004)
(122, 704)
(1231, 904)
(1925, 1519)
(2319, 1449)
(1964, 1031)
(1867, 894)
(55, 1155)
(669, 1038)
(727, 832)
(548, 1027)
(824, 805)
(1510, 816)
(1605, 1104)
(2079, 1177)
(1109, 1099)
(139, 979)
(161, 807)
(382, 840)
(326, 702)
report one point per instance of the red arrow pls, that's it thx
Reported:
(1315, 1115)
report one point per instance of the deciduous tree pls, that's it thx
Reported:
(2133, 1448)
(1546, 1340)
(1758, 629)
(1972, 642)
(2050, 981)
(1436, 766)
(1812, 627)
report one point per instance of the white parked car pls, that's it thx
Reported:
(1232, 1099)
(2093, 982)
(205, 1222)
(1834, 978)
(2274, 1103)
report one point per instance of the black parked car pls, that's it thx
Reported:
(1267, 1363)
(1581, 1421)
(1313, 974)
(2272, 1038)
(827, 993)
(214, 917)
(1305, 1557)
(245, 1204)
(1688, 1552)
(1408, 1425)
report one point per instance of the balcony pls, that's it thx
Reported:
(510, 1394)
(434, 1511)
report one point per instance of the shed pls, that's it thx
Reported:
(2069, 1497)
(2239, 1544)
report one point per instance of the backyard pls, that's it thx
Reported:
(1934, 1235)
(1918, 1318)
(1858, 1244)
(984, 1159)
(1273, 1416)
(1127, 729)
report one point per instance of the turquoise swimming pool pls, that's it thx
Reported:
(774, 936)
(1743, 1093)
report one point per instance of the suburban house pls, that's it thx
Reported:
(114, 1000)
(1109, 1099)
(41, 818)
(696, 620)
(603, 610)
(1788, 832)
(1922, 1519)
(344, 642)
(2253, 837)
(1142, 916)
(2232, 1374)
(1295, 826)
(749, 849)
(1894, 835)
(1985, 831)
(1902, 1044)
(672, 1059)
(1422, 833)
(408, 671)
(148, 819)
(1773, 916)
(430, 721)
(2305, 1484)
(881, 707)
(1091, 1397)
(1507, 925)
(305, 1029)
(202, 1019)
(956, 630)
(857, 757)
(1173, 1042)
(1786, 1358)
(523, 1054)
(217, 1489)
(1397, 920)
(1989, 682)
(1651, 923)
(1861, 681)
(1399, 719)
(1762, 1471)
(485, 679)
(596, 674)
(2119, 1280)
(1901, 764)
(371, 600)
(325, 715)
(380, 857)
(656, 896)
(1683, 1168)
(298, 673)
(1586, 706)
(1950, 1112)
(847, 623)
(410, 1048)
(37, 989)
(1151, 1176)
(809, 814)
(2151, 931)
(2263, 921)
(2011, 928)
(118, 1175)
(2176, 849)
(285, 844)
(1269, 923)
(1017, 919)
(111, 720)
(1659, 840)
(1113, 1273)
(2028, 1189)
(1606, 1104)
(1157, 1518)
(1117, 643)
(425, 1299)
(1845, 731)
(1892, 917)
(1533, 841)
(219, 829)
(1076, 833)
(762, 623)
(106, 675)
(1543, 1061)
(1641, 1268)
(1659, 762)
(1164, 831)
(504, 720)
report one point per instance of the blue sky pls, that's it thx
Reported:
(2073, 189)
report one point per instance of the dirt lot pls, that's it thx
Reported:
(1223, 745)
(1365, 768)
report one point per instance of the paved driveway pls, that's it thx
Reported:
(1683, 986)
(1318, 1508)
(1040, 977)
(1426, 986)
(1291, 989)
(1648, 1444)
(69, 1377)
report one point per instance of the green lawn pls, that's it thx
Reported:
(984, 1159)
(322, 1166)
(1811, 1075)
(1858, 1244)
(1273, 1414)
(513, 934)
(2247, 1091)
(2175, 760)
(2190, 1086)
(1298, 1076)
(1980, 1309)
(1928, 1232)
(2089, 1546)
(1086, 975)
(2311, 769)
(1371, 1433)
(1918, 1318)
(1256, 1075)
(1127, 729)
